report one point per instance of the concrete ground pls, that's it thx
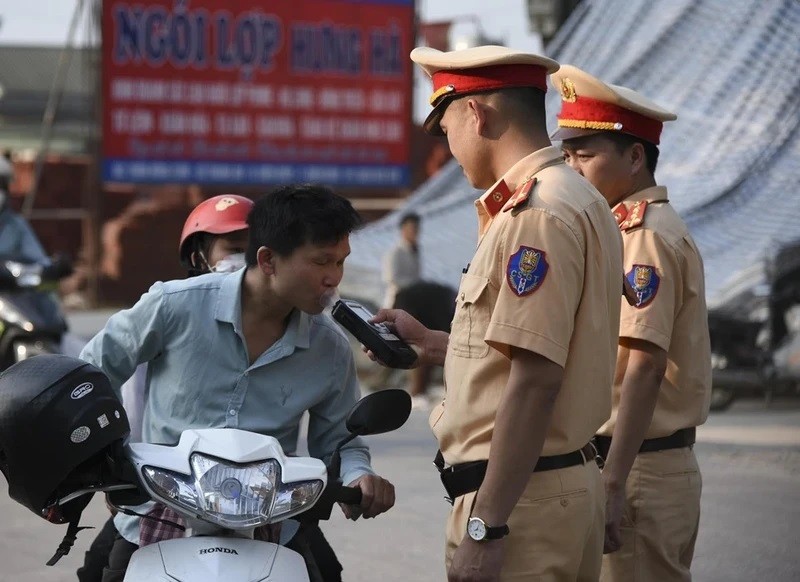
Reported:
(750, 523)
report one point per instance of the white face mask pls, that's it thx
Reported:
(229, 264)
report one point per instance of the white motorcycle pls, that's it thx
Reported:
(225, 483)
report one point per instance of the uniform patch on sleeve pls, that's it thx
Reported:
(526, 270)
(645, 281)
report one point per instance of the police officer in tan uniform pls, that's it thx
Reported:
(662, 384)
(529, 360)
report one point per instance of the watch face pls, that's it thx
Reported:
(476, 529)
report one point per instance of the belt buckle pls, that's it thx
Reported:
(601, 462)
(443, 472)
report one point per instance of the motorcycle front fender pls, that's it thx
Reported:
(216, 559)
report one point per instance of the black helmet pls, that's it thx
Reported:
(57, 415)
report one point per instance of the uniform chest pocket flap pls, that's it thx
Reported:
(473, 313)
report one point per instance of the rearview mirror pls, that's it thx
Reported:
(379, 412)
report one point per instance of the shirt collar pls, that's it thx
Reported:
(229, 302)
(229, 309)
(496, 197)
(652, 194)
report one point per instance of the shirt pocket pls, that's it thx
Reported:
(471, 320)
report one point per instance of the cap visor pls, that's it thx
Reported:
(431, 123)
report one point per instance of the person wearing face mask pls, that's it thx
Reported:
(214, 236)
(251, 350)
(17, 239)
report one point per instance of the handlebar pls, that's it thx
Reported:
(349, 495)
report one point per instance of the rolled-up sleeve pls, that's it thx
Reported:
(130, 337)
(326, 427)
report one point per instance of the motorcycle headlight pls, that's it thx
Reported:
(10, 314)
(26, 275)
(234, 496)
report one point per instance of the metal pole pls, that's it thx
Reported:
(56, 91)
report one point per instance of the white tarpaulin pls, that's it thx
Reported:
(730, 69)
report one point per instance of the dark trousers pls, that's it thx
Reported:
(309, 542)
(96, 559)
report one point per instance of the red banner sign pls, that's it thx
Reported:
(252, 92)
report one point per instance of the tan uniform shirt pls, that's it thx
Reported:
(401, 268)
(545, 278)
(664, 267)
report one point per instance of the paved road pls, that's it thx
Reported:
(750, 523)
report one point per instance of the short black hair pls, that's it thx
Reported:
(410, 217)
(525, 103)
(623, 141)
(291, 216)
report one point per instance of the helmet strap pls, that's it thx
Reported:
(69, 540)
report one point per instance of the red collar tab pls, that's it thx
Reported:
(496, 198)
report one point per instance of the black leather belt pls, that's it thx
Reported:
(678, 440)
(465, 478)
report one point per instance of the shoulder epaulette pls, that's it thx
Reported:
(521, 195)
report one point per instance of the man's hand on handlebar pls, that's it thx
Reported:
(377, 496)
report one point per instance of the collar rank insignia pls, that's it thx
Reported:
(634, 215)
(526, 270)
(620, 213)
(497, 197)
(645, 281)
(520, 196)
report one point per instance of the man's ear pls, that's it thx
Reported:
(638, 158)
(265, 258)
(477, 111)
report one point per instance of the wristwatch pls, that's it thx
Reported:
(480, 532)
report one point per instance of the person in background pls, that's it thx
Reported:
(405, 289)
(17, 239)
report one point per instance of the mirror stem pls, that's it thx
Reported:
(335, 467)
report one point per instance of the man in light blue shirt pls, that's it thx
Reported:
(250, 349)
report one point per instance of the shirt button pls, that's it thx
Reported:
(232, 412)
(462, 297)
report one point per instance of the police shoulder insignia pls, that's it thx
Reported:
(526, 270)
(520, 196)
(634, 216)
(645, 281)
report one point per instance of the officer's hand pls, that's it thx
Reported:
(377, 496)
(615, 506)
(404, 325)
(477, 561)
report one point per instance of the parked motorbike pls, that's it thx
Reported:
(226, 483)
(31, 321)
(755, 341)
